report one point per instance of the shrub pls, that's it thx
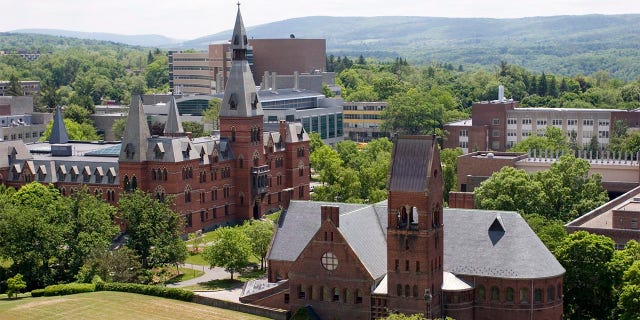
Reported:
(37, 292)
(171, 293)
(68, 288)
(14, 285)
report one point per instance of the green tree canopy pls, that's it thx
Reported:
(14, 88)
(554, 139)
(196, 128)
(230, 250)
(76, 131)
(259, 233)
(212, 114)
(118, 127)
(153, 229)
(588, 282)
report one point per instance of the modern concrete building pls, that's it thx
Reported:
(191, 73)
(362, 120)
(409, 255)
(30, 88)
(19, 122)
(499, 124)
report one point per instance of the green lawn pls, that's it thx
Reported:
(186, 274)
(112, 305)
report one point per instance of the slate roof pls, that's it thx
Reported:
(361, 225)
(411, 167)
(173, 126)
(470, 248)
(58, 129)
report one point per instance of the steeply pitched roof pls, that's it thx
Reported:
(411, 163)
(240, 96)
(58, 130)
(363, 227)
(136, 133)
(173, 126)
(475, 245)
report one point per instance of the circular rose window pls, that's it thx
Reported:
(329, 261)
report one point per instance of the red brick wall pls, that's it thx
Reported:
(285, 56)
(473, 165)
(461, 200)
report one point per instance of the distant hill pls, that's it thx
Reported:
(566, 45)
(560, 44)
(145, 40)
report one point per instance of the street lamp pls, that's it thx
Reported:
(428, 297)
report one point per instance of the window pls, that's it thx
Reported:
(587, 134)
(634, 223)
(495, 133)
(511, 132)
(463, 144)
(495, 121)
(481, 293)
(550, 293)
(524, 295)
(509, 295)
(526, 121)
(572, 122)
(495, 294)
(358, 296)
(603, 134)
(526, 133)
(587, 122)
(329, 261)
(537, 295)
(603, 123)
(511, 121)
(541, 122)
(464, 133)
(556, 122)
(336, 295)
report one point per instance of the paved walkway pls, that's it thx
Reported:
(231, 294)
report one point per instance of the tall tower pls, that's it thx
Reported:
(133, 153)
(414, 232)
(241, 123)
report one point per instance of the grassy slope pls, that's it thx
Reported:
(112, 305)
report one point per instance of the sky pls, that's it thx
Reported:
(189, 19)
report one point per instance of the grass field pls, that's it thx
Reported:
(112, 305)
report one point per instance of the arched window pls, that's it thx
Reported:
(358, 296)
(127, 186)
(233, 134)
(134, 183)
(407, 291)
(415, 291)
(481, 293)
(153, 174)
(495, 293)
(509, 294)
(524, 295)
(550, 294)
(164, 174)
(336, 294)
(537, 295)
(399, 290)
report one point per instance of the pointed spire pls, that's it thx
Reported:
(136, 133)
(239, 37)
(58, 130)
(173, 126)
(240, 95)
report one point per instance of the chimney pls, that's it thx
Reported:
(274, 80)
(296, 80)
(265, 81)
(500, 93)
(283, 129)
(331, 213)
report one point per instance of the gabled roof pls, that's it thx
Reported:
(58, 129)
(362, 226)
(475, 245)
(411, 163)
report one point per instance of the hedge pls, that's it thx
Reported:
(64, 289)
(172, 293)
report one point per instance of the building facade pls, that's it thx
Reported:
(242, 173)
(362, 120)
(19, 122)
(408, 254)
(499, 124)
(29, 88)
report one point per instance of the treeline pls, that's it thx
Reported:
(86, 75)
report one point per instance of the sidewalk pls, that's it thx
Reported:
(231, 294)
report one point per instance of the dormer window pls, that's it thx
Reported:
(233, 103)
(236, 40)
(130, 153)
(159, 150)
(254, 101)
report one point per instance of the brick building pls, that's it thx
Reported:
(242, 173)
(499, 124)
(409, 255)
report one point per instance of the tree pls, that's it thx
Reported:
(118, 127)
(554, 139)
(230, 250)
(259, 233)
(588, 282)
(448, 157)
(15, 284)
(212, 114)
(153, 229)
(413, 112)
(120, 265)
(76, 131)
(77, 114)
(509, 189)
(551, 232)
(92, 228)
(14, 88)
(196, 128)
(156, 73)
